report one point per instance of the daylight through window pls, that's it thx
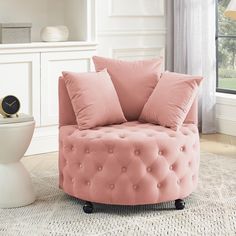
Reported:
(226, 50)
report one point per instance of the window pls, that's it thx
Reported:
(225, 50)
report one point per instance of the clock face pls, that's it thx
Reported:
(10, 105)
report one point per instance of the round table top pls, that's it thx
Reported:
(14, 119)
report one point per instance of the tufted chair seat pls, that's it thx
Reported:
(128, 164)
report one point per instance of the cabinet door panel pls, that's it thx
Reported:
(20, 76)
(52, 64)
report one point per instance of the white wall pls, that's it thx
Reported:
(131, 29)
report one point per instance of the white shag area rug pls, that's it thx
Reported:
(211, 210)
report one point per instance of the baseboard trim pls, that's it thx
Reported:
(225, 108)
(226, 126)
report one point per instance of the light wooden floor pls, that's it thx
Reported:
(219, 144)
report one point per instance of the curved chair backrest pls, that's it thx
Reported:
(66, 112)
(67, 115)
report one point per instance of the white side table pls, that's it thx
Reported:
(16, 189)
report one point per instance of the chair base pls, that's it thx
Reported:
(179, 204)
(88, 206)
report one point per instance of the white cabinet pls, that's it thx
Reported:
(31, 72)
(20, 75)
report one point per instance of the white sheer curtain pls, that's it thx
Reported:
(191, 49)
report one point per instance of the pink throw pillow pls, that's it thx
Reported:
(171, 100)
(94, 99)
(134, 81)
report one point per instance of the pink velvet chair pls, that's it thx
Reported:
(127, 164)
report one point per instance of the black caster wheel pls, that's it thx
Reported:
(179, 204)
(88, 207)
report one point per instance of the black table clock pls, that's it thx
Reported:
(9, 105)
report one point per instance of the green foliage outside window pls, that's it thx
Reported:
(226, 49)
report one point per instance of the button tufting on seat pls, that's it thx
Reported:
(135, 186)
(137, 152)
(159, 157)
(110, 150)
(112, 186)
